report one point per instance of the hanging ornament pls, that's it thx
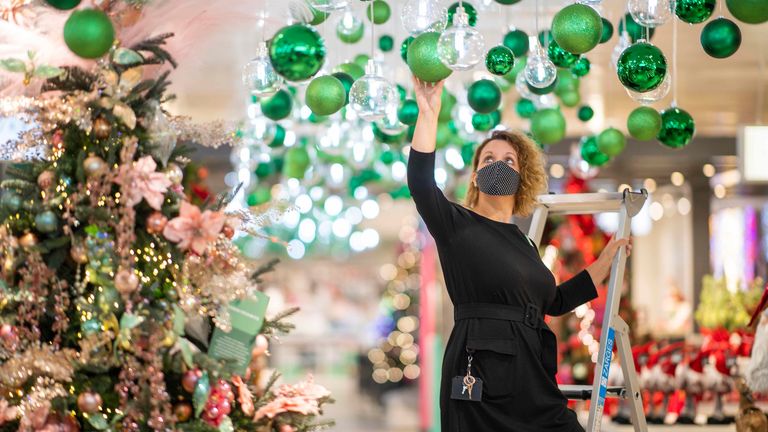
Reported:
(46, 179)
(126, 281)
(372, 94)
(644, 123)
(346, 81)
(518, 67)
(525, 108)
(386, 43)
(566, 82)
(350, 28)
(296, 162)
(545, 38)
(507, 2)
(404, 48)
(101, 128)
(749, 11)
(570, 99)
(460, 47)
(577, 28)
(545, 101)
(523, 88)
(362, 59)
(677, 128)
(607, 32)
(297, 52)
(278, 138)
(156, 222)
(10, 201)
(482, 122)
(28, 240)
(328, 5)
(318, 16)
(650, 13)
(89, 33)
(545, 90)
(540, 71)
(468, 8)
(190, 379)
(94, 165)
(642, 67)
(390, 125)
(352, 69)
(182, 411)
(654, 95)
(408, 112)
(484, 96)
(421, 16)
(499, 60)
(548, 126)
(174, 173)
(586, 113)
(560, 57)
(259, 76)
(381, 12)
(88, 402)
(624, 42)
(611, 142)
(46, 222)
(325, 95)
(581, 67)
(694, 11)
(278, 106)
(635, 30)
(424, 60)
(721, 38)
(591, 153)
(63, 4)
(517, 41)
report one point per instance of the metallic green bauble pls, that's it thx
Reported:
(560, 57)
(499, 60)
(611, 142)
(63, 4)
(325, 95)
(484, 96)
(586, 113)
(591, 153)
(318, 17)
(350, 33)
(517, 41)
(544, 90)
(581, 67)
(635, 30)
(749, 11)
(577, 28)
(694, 11)
(352, 69)
(482, 122)
(386, 43)
(570, 99)
(279, 138)
(408, 112)
(423, 59)
(677, 128)
(545, 37)
(297, 52)
(721, 38)
(644, 123)
(46, 222)
(607, 31)
(525, 108)
(296, 162)
(278, 106)
(548, 126)
(89, 33)
(381, 12)
(404, 48)
(642, 67)
(347, 81)
(468, 8)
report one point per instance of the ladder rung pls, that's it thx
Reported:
(584, 392)
(595, 202)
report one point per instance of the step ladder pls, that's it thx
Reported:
(627, 204)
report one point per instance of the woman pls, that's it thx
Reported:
(498, 284)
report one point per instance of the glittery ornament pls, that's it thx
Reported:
(499, 60)
(517, 41)
(372, 95)
(420, 16)
(45, 179)
(174, 173)
(642, 67)
(297, 52)
(182, 411)
(126, 281)
(260, 346)
(525, 108)
(540, 72)
(677, 128)
(101, 128)
(548, 126)
(611, 142)
(591, 153)
(156, 222)
(644, 123)
(46, 222)
(694, 11)
(325, 95)
(460, 47)
(94, 165)
(581, 67)
(721, 38)
(560, 57)
(88, 402)
(259, 76)
(189, 379)
(577, 28)
(423, 58)
(28, 240)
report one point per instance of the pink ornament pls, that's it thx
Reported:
(89, 402)
(6, 331)
(225, 407)
(126, 281)
(260, 347)
(189, 379)
(156, 222)
(45, 179)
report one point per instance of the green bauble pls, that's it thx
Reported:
(352, 69)
(423, 59)
(325, 95)
(566, 82)
(591, 153)
(517, 41)
(350, 34)
(548, 126)
(607, 31)
(694, 11)
(611, 142)
(318, 17)
(644, 123)
(545, 37)
(408, 112)
(10, 202)
(642, 67)
(519, 66)
(677, 128)
(404, 48)
(721, 38)
(381, 12)
(507, 2)
(278, 106)
(386, 43)
(499, 60)
(89, 33)
(444, 136)
(385, 137)
(544, 90)
(749, 11)
(279, 138)
(46, 222)
(447, 102)
(570, 99)
(581, 67)
(259, 196)
(362, 59)
(635, 30)
(264, 169)
(296, 162)
(577, 28)
(560, 57)
(63, 4)
(484, 96)
(586, 113)
(297, 52)
(482, 122)
(468, 8)
(347, 81)
(525, 108)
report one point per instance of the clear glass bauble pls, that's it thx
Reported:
(654, 95)
(349, 24)
(460, 46)
(521, 85)
(260, 130)
(624, 42)
(578, 166)
(390, 124)
(540, 72)
(329, 5)
(259, 76)
(650, 13)
(544, 101)
(372, 93)
(419, 16)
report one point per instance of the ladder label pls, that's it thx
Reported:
(606, 366)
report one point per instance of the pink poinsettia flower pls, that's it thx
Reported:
(283, 404)
(143, 181)
(194, 230)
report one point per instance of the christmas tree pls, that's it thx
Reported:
(124, 304)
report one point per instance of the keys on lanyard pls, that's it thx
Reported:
(469, 380)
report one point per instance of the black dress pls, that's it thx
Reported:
(499, 288)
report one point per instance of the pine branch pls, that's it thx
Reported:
(73, 79)
(278, 323)
(265, 268)
(225, 198)
(154, 45)
(160, 85)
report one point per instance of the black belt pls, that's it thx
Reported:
(529, 315)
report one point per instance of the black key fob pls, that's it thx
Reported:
(461, 392)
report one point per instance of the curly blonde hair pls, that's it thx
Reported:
(533, 177)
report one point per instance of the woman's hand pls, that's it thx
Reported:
(428, 97)
(600, 269)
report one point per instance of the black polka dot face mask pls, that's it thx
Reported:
(498, 178)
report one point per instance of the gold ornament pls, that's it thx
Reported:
(78, 253)
(126, 281)
(45, 179)
(101, 128)
(28, 240)
(156, 222)
(183, 411)
(174, 173)
(228, 231)
(94, 165)
(89, 402)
